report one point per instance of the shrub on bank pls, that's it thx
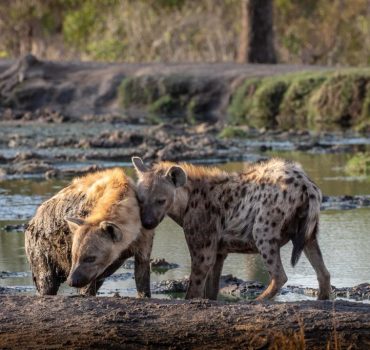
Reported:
(306, 100)
(359, 165)
(189, 99)
(324, 100)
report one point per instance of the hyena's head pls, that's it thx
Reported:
(95, 247)
(156, 191)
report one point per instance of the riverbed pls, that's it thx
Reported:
(344, 234)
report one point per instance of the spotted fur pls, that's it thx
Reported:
(256, 211)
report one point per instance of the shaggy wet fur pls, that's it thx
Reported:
(105, 196)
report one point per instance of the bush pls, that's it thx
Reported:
(304, 100)
(230, 132)
(340, 99)
(359, 165)
(294, 109)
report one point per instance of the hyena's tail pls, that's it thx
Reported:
(308, 221)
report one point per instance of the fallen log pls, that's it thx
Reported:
(32, 322)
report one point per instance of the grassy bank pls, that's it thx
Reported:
(187, 98)
(306, 100)
(359, 165)
(319, 100)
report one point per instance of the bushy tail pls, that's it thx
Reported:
(308, 223)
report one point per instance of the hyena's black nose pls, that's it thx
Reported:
(149, 224)
(77, 280)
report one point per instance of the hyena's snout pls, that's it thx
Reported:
(149, 220)
(77, 279)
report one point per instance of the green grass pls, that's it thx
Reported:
(340, 99)
(241, 100)
(232, 132)
(359, 165)
(293, 111)
(266, 103)
(163, 97)
(303, 100)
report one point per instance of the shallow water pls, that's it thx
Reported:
(344, 237)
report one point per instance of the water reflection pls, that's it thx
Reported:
(344, 236)
(344, 239)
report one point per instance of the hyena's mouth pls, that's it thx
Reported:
(150, 225)
(79, 280)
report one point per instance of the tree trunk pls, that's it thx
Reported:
(126, 323)
(257, 34)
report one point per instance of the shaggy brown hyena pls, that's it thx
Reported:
(256, 211)
(85, 232)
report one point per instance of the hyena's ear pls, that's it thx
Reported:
(176, 175)
(139, 165)
(112, 230)
(74, 223)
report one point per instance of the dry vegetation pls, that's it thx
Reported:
(310, 32)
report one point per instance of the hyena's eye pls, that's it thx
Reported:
(89, 259)
(160, 201)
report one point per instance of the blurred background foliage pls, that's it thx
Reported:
(324, 32)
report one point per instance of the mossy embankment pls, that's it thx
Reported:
(359, 165)
(319, 100)
(264, 96)
(324, 99)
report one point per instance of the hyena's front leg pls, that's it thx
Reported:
(142, 264)
(213, 278)
(198, 276)
(203, 257)
(142, 276)
(92, 288)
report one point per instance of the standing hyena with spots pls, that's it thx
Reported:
(257, 211)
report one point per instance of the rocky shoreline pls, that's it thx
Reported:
(237, 289)
(231, 288)
(34, 150)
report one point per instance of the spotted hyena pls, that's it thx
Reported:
(85, 232)
(257, 211)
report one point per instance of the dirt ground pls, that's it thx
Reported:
(29, 322)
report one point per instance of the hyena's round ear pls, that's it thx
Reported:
(112, 230)
(139, 165)
(74, 223)
(176, 175)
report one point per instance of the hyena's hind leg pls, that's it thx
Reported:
(265, 232)
(314, 256)
(276, 271)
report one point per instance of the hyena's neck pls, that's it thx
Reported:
(197, 177)
(180, 203)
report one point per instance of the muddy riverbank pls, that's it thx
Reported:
(42, 149)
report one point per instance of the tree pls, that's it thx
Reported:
(257, 34)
